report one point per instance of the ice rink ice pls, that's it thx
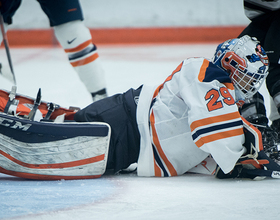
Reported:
(127, 196)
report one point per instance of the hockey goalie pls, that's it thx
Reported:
(189, 123)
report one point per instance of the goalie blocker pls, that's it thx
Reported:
(52, 150)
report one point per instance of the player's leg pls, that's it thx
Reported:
(272, 46)
(50, 150)
(75, 38)
(273, 85)
(254, 109)
(273, 79)
(119, 111)
(8, 9)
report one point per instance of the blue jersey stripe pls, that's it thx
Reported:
(216, 128)
(215, 73)
(158, 160)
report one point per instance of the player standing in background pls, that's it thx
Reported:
(66, 18)
(265, 25)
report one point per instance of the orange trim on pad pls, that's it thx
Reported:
(55, 165)
(45, 177)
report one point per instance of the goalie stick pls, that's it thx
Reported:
(5, 41)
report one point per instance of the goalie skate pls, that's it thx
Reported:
(48, 150)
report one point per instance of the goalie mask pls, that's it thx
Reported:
(245, 61)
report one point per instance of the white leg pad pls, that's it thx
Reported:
(76, 157)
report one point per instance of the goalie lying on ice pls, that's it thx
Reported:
(189, 123)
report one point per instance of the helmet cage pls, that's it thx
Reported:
(248, 84)
(245, 61)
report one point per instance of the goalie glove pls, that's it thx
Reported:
(255, 164)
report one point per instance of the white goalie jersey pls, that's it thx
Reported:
(187, 118)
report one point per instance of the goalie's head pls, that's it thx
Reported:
(245, 61)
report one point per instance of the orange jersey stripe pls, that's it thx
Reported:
(202, 71)
(256, 130)
(160, 151)
(218, 136)
(167, 79)
(54, 166)
(79, 47)
(214, 119)
(85, 61)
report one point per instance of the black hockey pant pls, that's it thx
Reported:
(119, 111)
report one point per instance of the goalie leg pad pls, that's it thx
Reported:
(52, 151)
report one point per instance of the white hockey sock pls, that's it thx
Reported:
(76, 40)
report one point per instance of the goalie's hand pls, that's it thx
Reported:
(255, 164)
(253, 168)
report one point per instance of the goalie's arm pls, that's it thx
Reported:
(254, 163)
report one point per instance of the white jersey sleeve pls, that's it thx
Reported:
(213, 116)
(191, 115)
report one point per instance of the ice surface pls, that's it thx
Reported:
(123, 196)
